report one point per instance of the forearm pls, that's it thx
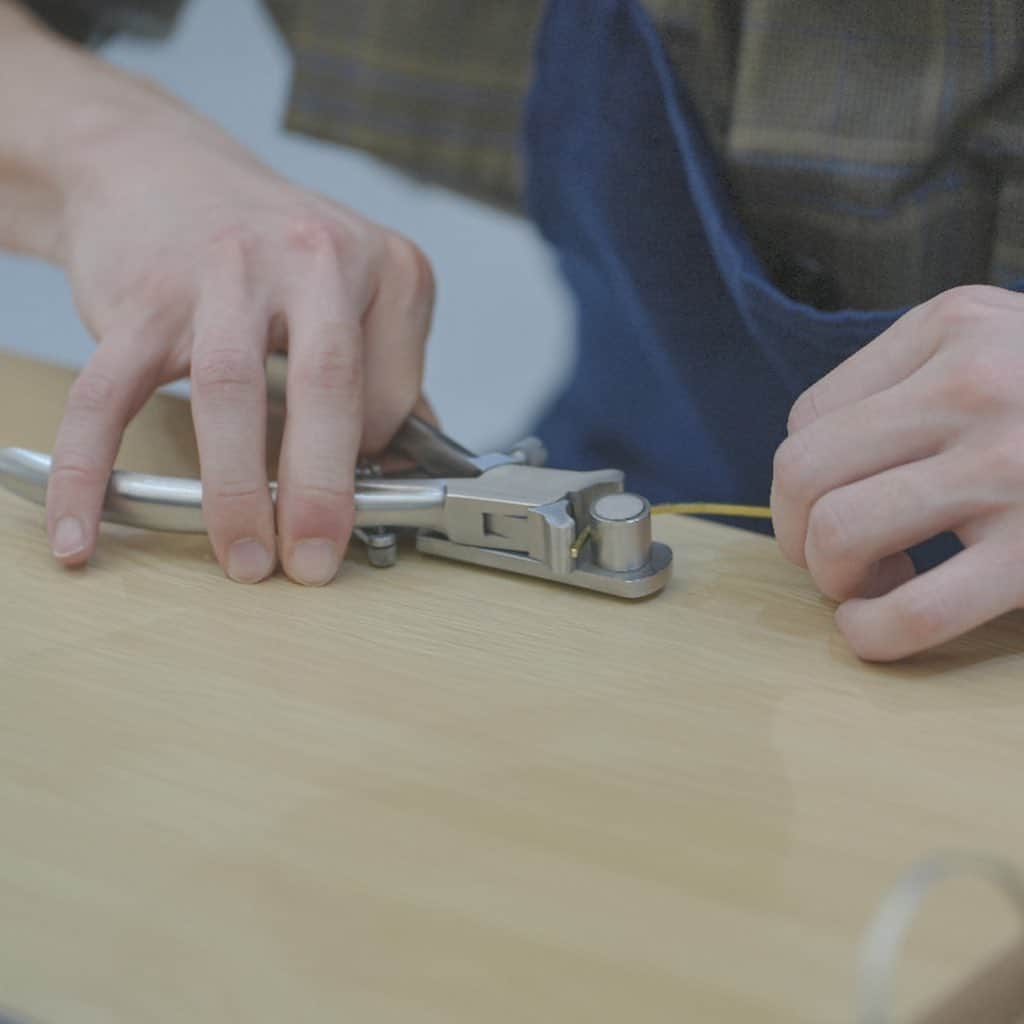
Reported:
(58, 106)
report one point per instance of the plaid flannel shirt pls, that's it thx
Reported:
(874, 151)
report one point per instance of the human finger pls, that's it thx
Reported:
(396, 328)
(324, 425)
(900, 350)
(108, 392)
(970, 589)
(229, 410)
(885, 430)
(851, 529)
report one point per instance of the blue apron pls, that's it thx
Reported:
(690, 358)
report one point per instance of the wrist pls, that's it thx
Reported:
(109, 129)
(69, 124)
(52, 93)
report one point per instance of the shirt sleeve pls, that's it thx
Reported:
(92, 21)
(434, 87)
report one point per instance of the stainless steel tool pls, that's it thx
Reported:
(502, 510)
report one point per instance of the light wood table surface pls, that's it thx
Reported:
(437, 793)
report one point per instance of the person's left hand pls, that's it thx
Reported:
(919, 433)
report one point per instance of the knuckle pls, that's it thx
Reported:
(322, 503)
(961, 306)
(983, 380)
(225, 370)
(1003, 458)
(804, 411)
(238, 492)
(330, 368)
(792, 470)
(829, 533)
(157, 295)
(412, 269)
(94, 393)
(77, 470)
(313, 233)
(232, 245)
(317, 508)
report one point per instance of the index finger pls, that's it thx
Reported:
(115, 383)
(881, 364)
(899, 351)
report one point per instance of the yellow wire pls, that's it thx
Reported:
(710, 508)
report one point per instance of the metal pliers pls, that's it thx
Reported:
(501, 510)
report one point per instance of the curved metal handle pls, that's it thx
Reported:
(175, 504)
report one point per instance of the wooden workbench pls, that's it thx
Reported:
(437, 793)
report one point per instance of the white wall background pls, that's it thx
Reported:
(501, 344)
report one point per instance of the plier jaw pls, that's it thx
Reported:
(577, 528)
(506, 511)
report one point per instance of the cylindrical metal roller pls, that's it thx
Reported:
(620, 526)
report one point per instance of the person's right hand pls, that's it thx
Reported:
(188, 256)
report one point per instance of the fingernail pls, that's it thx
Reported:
(249, 561)
(68, 537)
(314, 562)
